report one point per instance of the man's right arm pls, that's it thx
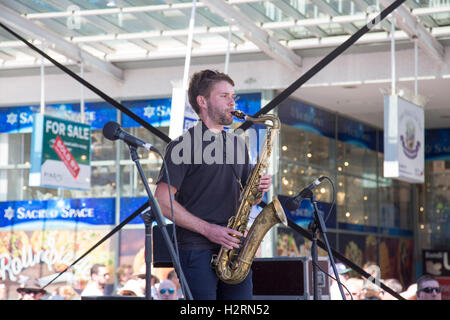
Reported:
(185, 219)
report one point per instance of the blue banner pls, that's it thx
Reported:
(437, 144)
(20, 119)
(56, 214)
(66, 213)
(249, 103)
(307, 118)
(357, 133)
(17, 119)
(97, 114)
(128, 206)
(381, 141)
(155, 111)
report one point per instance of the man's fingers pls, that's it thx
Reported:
(234, 232)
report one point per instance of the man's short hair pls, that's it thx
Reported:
(424, 278)
(96, 267)
(202, 83)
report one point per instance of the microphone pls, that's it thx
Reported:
(294, 202)
(112, 131)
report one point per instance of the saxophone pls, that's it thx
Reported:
(233, 265)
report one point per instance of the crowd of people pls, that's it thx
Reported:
(362, 288)
(131, 284)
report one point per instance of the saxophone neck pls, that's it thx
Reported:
(259, 120)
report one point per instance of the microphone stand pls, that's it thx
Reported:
(316, 226)
(149, 216)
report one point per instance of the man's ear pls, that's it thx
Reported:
(201, 101)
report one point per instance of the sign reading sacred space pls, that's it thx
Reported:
(60, 153)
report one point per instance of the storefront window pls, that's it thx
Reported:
(306, 147)
(396, 207)
(101, 148)
(355, 160)
(357, 200)
(294, 177)
(435, 221)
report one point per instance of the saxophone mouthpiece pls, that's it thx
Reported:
(239, 114)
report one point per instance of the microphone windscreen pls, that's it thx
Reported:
(292, 204)
(110, 130)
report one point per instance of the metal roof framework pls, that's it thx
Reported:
(101, 33)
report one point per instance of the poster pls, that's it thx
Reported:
(43, 254)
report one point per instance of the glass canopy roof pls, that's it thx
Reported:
(131, 30)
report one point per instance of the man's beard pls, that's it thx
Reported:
(223, 118)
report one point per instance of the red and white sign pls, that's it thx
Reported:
(66, 157)
(445, 287)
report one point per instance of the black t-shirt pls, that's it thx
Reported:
(204, 168)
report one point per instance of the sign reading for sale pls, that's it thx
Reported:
(60, 153)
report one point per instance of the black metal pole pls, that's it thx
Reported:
(148, 218)
(314, 260)
(323, 230)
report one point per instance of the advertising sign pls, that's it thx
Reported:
(404, 140)
(60, 153)
(436, 262)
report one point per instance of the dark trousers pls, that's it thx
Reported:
(203, 281)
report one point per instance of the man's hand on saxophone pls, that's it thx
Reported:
(264, 185)
(224, 236)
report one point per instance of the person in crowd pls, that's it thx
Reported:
(207, 187)
(371, 290)
(97, 282)
(133, 287)
(395, 285)
(355, 286)
(32, 290)
(343, 271)
(410, 293)
(174, 277)
(167, 290)
(154, 280)
(67, 292)
(428, 288)
(124, 273)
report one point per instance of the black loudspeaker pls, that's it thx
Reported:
(288, 278)
(280, 278)
(161, 255)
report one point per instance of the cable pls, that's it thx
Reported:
(329, 275)
(334, 198)
(174, 234)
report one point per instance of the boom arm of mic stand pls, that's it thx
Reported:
(160, 221)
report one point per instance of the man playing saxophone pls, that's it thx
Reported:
(206, 185)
